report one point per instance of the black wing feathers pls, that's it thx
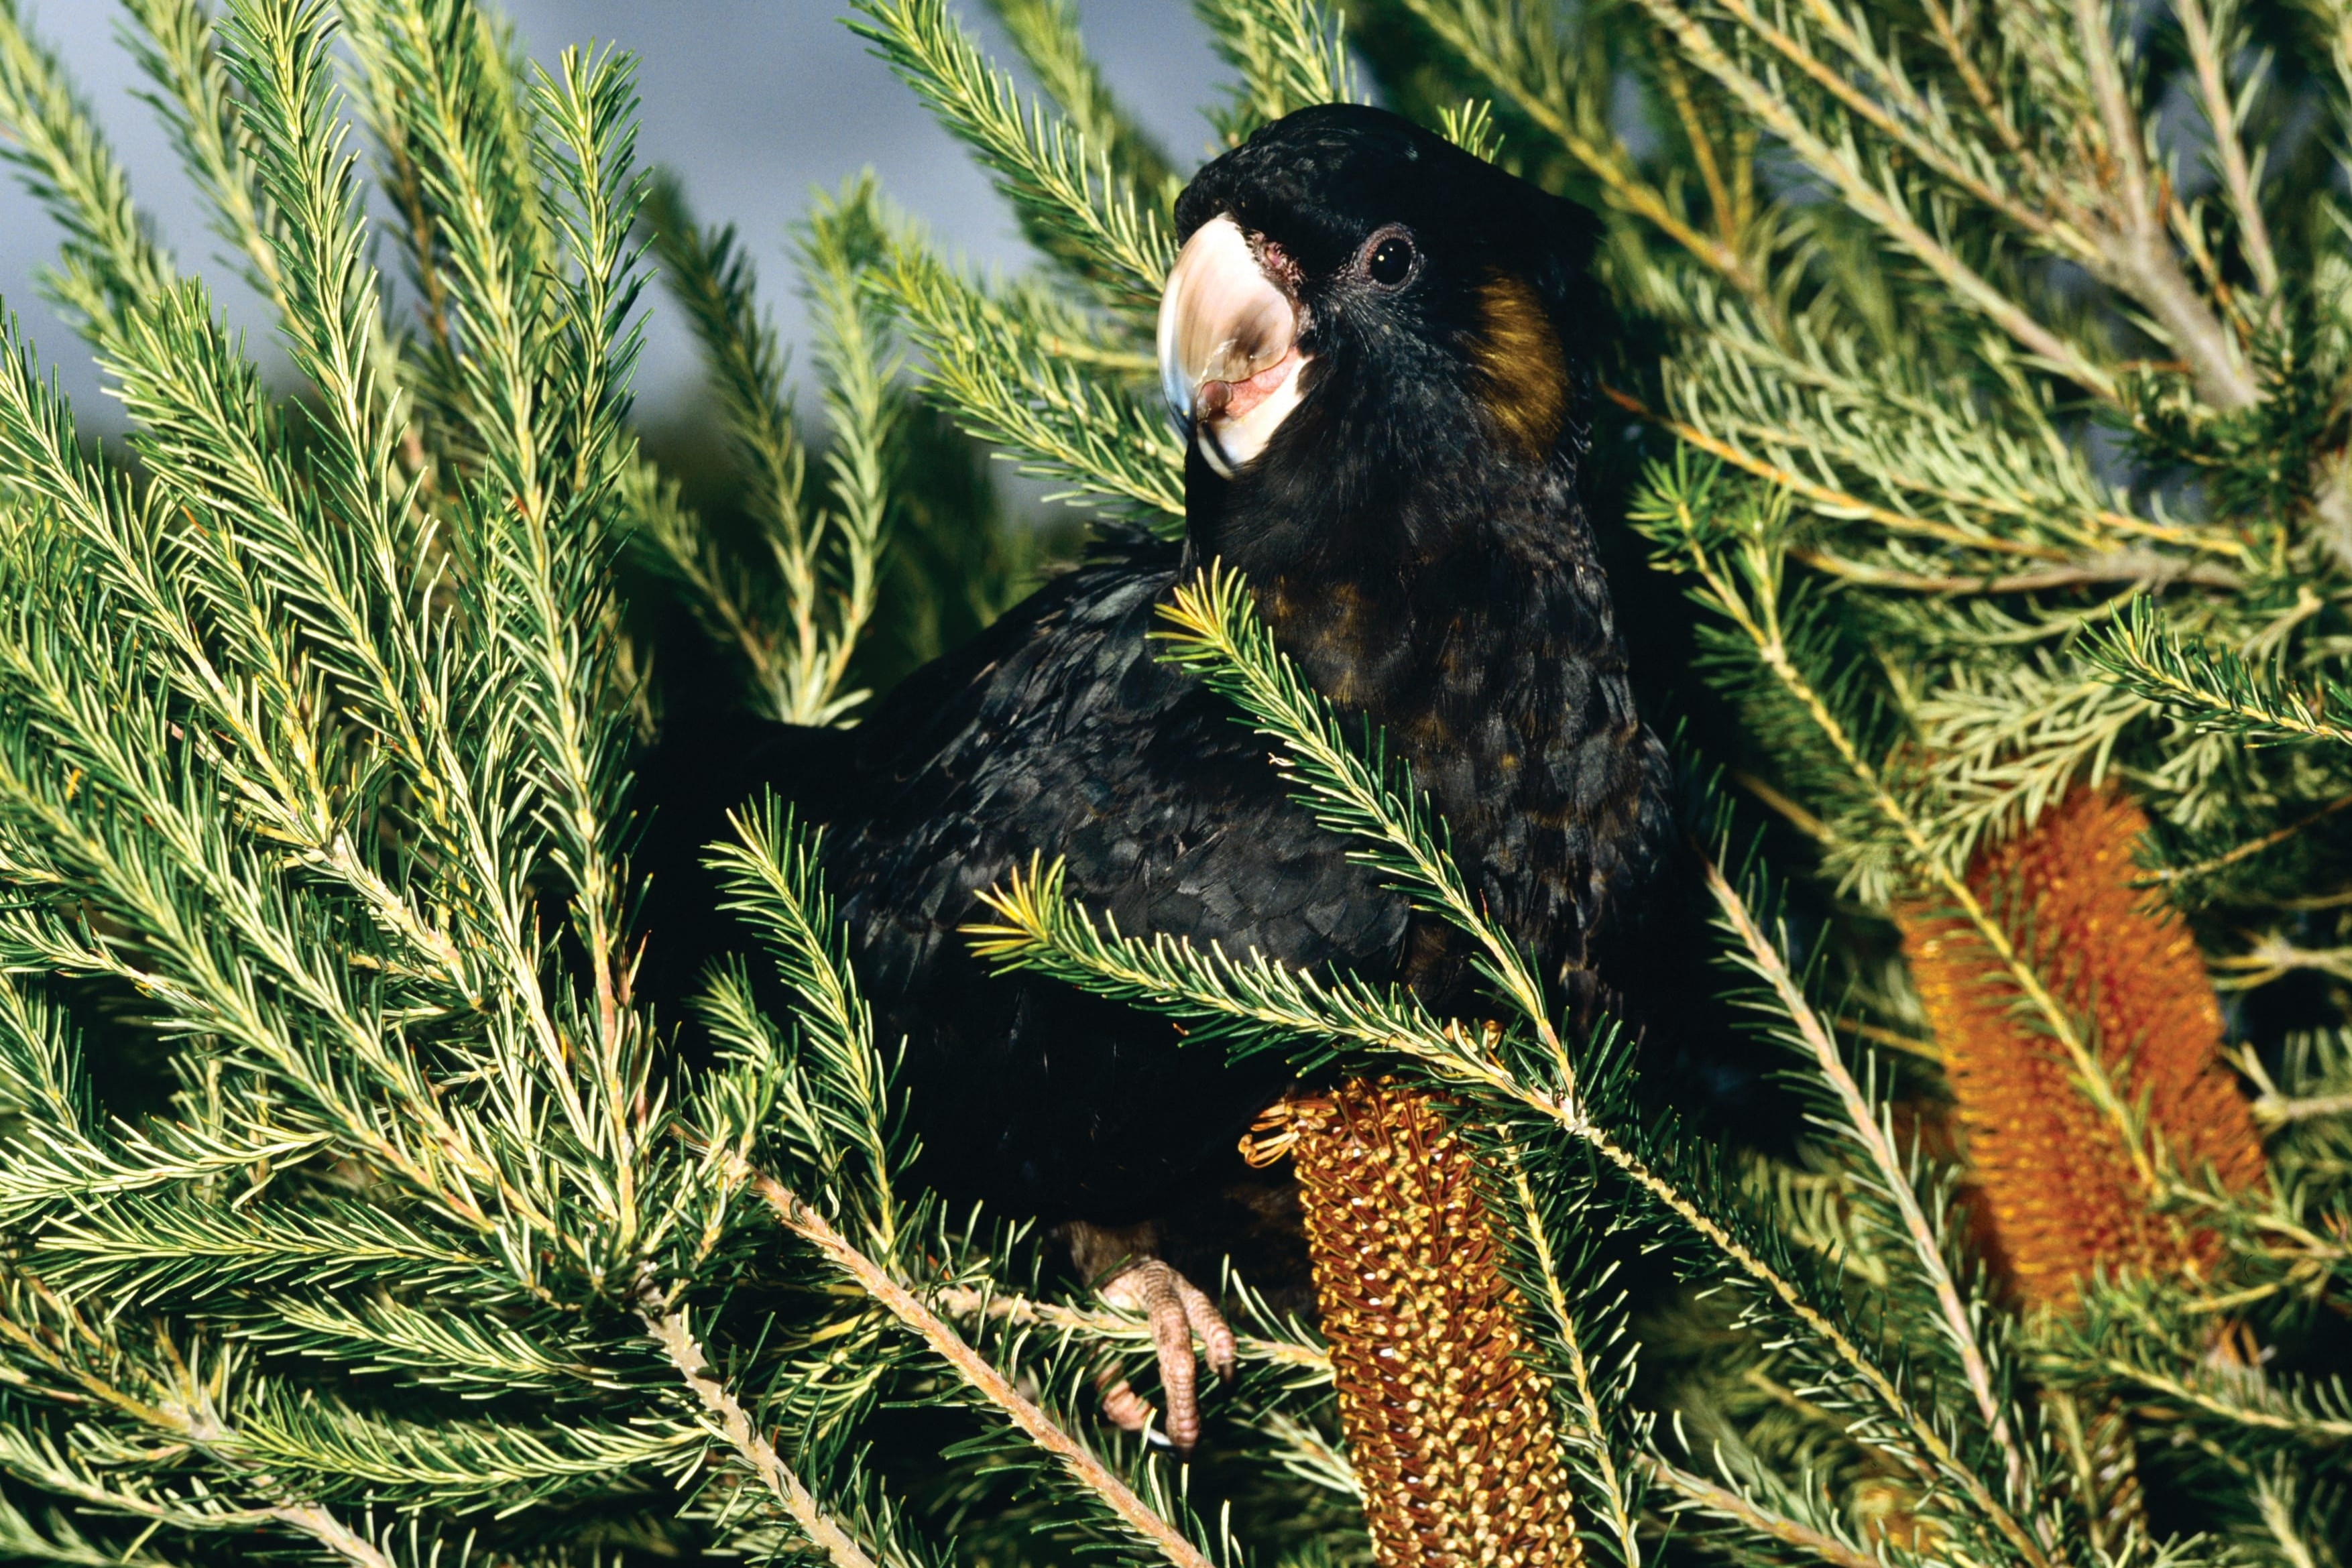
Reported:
(1059, 732)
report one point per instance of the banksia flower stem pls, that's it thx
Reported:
(1449, 1424)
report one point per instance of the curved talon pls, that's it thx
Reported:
(1216, 1334)
(1122, 1406)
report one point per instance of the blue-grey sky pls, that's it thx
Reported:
(755, 100)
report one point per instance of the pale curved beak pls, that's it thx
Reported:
(1229, 357)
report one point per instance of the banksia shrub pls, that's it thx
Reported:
(356, 1209)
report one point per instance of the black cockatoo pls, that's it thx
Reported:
(1376, 344)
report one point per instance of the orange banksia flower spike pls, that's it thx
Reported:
(1449, 1426)
(2060, 1193)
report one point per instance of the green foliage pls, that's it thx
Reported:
(1073, 202)
(356, 1207)
(1288, 54)
(793, 620)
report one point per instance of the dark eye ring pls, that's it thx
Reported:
(1389, 260)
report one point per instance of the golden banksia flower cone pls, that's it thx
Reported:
(1449, 1425)
(2060, 1195)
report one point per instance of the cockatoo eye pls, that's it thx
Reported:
(1388, 259)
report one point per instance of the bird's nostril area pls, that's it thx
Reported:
(1276, 264)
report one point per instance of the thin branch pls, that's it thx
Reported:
(1840, 503)
(1795, 815)
(1710, 173)
(2142, 567)
(333, 1534)
(1104, 1323)
(2140, 250)
(2276, 1111)
(1040, 1428)
(190, 1417)
(2085, 525)
(2275, 1505)
(1893, 87)
(2274, 956)
(2216, 688)
(2253, 846)
(670, 1330)
(1722, 1499)
(1893, 1039)
(1765, 960)
(2296, 1424)
(1980, 90)
(1623, 1517)
(2222, 121)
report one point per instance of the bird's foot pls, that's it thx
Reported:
(1129, 1277)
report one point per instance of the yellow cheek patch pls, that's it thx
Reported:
(1522, 374)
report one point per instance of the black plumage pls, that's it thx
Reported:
(1415, 534)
